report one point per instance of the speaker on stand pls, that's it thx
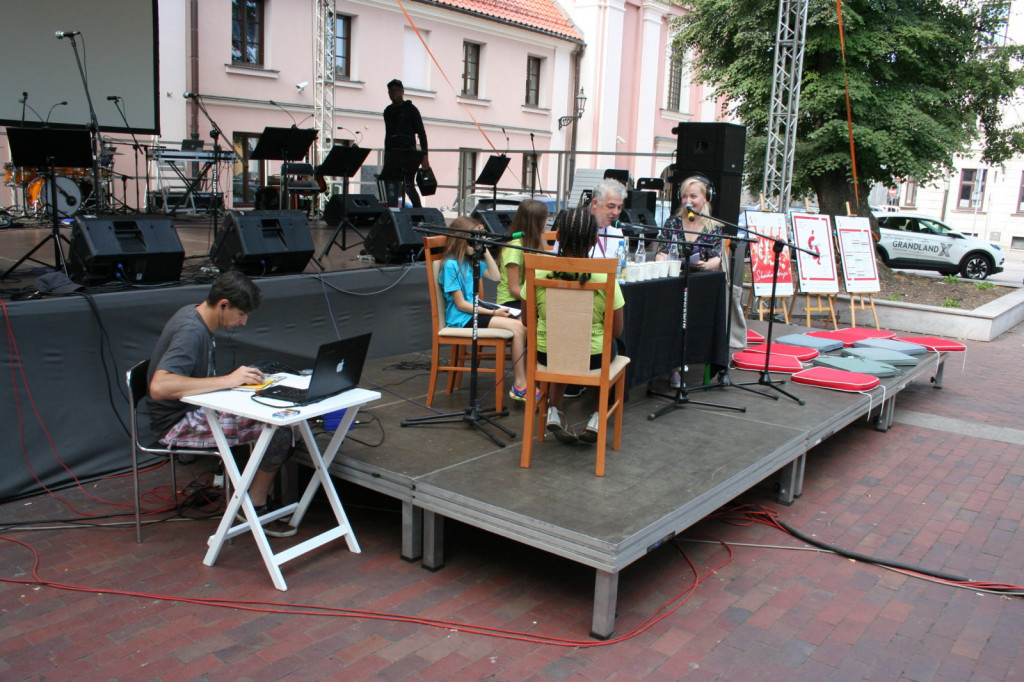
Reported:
(714, 151)
(263, 242)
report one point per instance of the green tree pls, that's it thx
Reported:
(927, 79)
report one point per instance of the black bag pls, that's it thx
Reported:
(426, 181)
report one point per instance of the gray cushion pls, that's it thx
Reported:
(892, 344)
(875, 369)
(816, 342)
(888, 357)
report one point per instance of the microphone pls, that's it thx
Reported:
(275, 104)
(50, 112)
(689, 213)
(66, 34)
(112, 98)
(507, 237)
(190, 95)
(633, 228)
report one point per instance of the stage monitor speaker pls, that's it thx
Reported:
(363, 209)
(495, 222)
(392, 239)
(638, 198)
(143, 249)
(710, 147)
(638, 216)
(268, 199)
(263, 242)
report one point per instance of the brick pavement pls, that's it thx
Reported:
(944, 499)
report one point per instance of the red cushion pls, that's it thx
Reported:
(754, 337)
(797, 352)
(933, 343)
(851, 335)
(746, 359)
(837, 379)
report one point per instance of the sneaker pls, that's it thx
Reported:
(590, 433)
(275, 529)
(519, 394)
(674, 380)
(558, 426)
(574, 391)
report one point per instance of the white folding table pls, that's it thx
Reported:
(240, 402)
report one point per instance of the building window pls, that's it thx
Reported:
(471, 69)
(675, 84)
(248, 173)
(467, 173)
(533, 81)
(530, 162)
(910, 197)
(972, 189)
(247, 32)
(415, 60)
(342, 47)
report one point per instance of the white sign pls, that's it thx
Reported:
(857, 249)
(817, 273)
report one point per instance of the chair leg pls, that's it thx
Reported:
(138, 493)
(454, 376)
(602, 429)
(434, 361)
(620, 407)
(499, 374)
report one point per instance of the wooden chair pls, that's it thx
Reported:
(570, 307)
(144, 440)
(496, 341)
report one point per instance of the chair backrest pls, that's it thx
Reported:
(138, 382)
(569, 308)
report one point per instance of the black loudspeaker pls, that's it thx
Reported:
(363, 209)
(263, 242)
(638, 216)
(268, 199)
(707, 148)
(134, 250)
(495, 222)
(392, 239)
(636, 198)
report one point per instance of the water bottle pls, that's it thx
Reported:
(620, 255)
(641, 250)
(673, 250)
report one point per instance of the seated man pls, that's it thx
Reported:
(182, 364)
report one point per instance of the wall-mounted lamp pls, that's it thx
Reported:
(581, 104)
(301, 86)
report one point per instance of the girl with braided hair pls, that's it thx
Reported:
(577, 234)
(457, 284)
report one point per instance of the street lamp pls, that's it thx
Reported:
(581, 104)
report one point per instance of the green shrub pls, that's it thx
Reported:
(951, 303)
(950, 279)
(985, 286)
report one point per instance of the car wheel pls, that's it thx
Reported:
(975, 266)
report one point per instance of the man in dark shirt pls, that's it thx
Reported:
(182, 364)
(402, 125)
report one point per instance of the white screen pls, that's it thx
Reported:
(118, 49)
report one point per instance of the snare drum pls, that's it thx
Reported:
(69, 197)
(16, 175)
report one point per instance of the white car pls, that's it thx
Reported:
(917, 242)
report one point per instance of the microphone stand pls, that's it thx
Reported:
(765, 378)
(681, 396)
(94, 131)
(215, 134)
(473, 415)
(118, 104)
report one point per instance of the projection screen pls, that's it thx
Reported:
(118, 47)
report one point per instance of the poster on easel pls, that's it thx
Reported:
(857, 250)
(762, 255)
(817, 274)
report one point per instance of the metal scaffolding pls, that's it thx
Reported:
(323, 80)
(785, 104)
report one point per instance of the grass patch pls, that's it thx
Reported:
(894, 297)
(951, 303)
(950, 279)
(985, 286)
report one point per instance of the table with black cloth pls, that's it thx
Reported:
(653, 330)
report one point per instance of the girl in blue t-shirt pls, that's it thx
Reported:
(457, 285)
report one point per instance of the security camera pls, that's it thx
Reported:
(302, 86)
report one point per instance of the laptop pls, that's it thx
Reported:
(339, 366)
(192, 145)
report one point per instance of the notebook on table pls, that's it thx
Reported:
(339, 366)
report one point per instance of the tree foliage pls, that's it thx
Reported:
(927, 79)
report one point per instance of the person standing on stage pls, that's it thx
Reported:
(402, 126)
(183, 364)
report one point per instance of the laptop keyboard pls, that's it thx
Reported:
(289, 393)
(273, 367)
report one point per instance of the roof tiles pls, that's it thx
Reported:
(541, 15)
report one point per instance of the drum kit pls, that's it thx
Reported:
(74, 188)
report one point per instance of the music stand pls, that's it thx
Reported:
(491, 175)
(399, 165)
(48, 148)
(283, 144)
(342, 162)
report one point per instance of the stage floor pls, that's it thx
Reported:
(670, 473)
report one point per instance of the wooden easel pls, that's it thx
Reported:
(818, 307)
(861, 301)
(764, 306)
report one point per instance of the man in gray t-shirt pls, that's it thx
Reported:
(182, 365)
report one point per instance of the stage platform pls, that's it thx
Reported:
(669, 474)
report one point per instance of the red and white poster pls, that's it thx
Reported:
(762, 254)
(817, 273)
(857, 249)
